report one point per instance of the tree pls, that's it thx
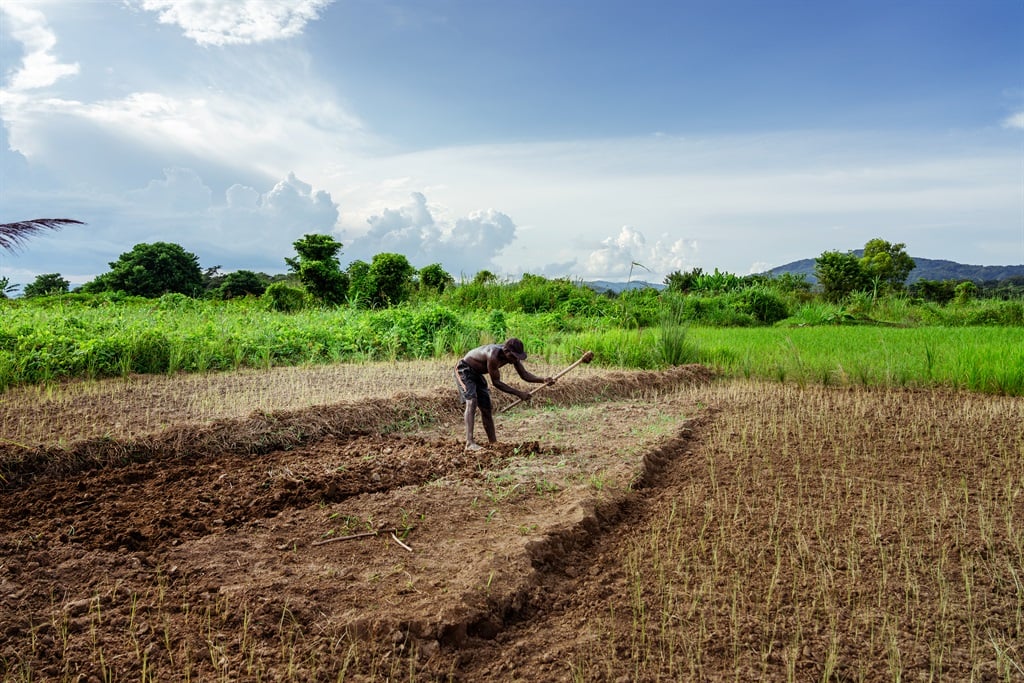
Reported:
(887, 263)
(152, 270)
(241, 283)
(13, 234)
(939, 291)
(484, 277)
(318, 268)
(6, 287)
(840, 275)
(678, 281)
(212, 280)
(790, 282)
(360, 284)
(50, 283)
(435, 278)
(391, 275)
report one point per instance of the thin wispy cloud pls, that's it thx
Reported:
(1014, 121)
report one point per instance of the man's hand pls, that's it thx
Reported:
(525, 395)
(549, 380)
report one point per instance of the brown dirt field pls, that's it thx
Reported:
(629, 526)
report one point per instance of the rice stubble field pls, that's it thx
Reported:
(326, 524)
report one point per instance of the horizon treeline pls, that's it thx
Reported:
(315, 277)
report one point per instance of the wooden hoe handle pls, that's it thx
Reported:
(586, 358)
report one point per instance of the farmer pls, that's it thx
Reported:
(470, 377)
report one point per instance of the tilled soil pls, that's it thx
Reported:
(357, 544)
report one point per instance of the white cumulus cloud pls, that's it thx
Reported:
(463, 245)
(180, 190)
(629, 254)
(616, 254)
(39, 67)
(214, 22)
(247, 229)
(256, 230)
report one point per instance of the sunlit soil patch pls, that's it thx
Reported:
(205, 552)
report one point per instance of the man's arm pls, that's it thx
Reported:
(529, 376)
(494, 363)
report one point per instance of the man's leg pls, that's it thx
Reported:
(488, 419)
(469, 417)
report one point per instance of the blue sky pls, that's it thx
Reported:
(564, 137)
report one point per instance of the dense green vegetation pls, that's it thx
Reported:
(156, 311)
(759, 330)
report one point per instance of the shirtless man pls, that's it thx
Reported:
(470, 377)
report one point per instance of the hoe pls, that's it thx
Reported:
(587, 357)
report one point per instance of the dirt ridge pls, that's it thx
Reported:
(263, 432)
(574, 559)
(548, 556)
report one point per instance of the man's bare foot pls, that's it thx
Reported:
(474, 447)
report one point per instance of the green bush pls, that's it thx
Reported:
(715, 311)
(497, 325)
(150, 353)
(436, 329)
(716, 283)
(623, 348)
(1005, 313)
(174, 301)
(763, 303)
(673, 346)
(284, 298)
(637, 308)
(105, 356)
(470, 296)
(992, 312)
(819, 313)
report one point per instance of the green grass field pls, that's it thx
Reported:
(985, 359)
(67, 338)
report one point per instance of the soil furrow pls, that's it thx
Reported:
(580, 567)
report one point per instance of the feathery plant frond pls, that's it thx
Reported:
(12, 235)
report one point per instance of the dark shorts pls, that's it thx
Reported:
(471, 384)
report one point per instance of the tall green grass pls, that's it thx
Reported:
(41, 344)
(985, 359)
(61, 338)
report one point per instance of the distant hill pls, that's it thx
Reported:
(602, 286)
(927, 269)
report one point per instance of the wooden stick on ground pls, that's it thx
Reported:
(399, 542)
(346, 538)
(364, 534)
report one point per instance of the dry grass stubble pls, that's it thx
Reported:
(825, 534)
(795, 534)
